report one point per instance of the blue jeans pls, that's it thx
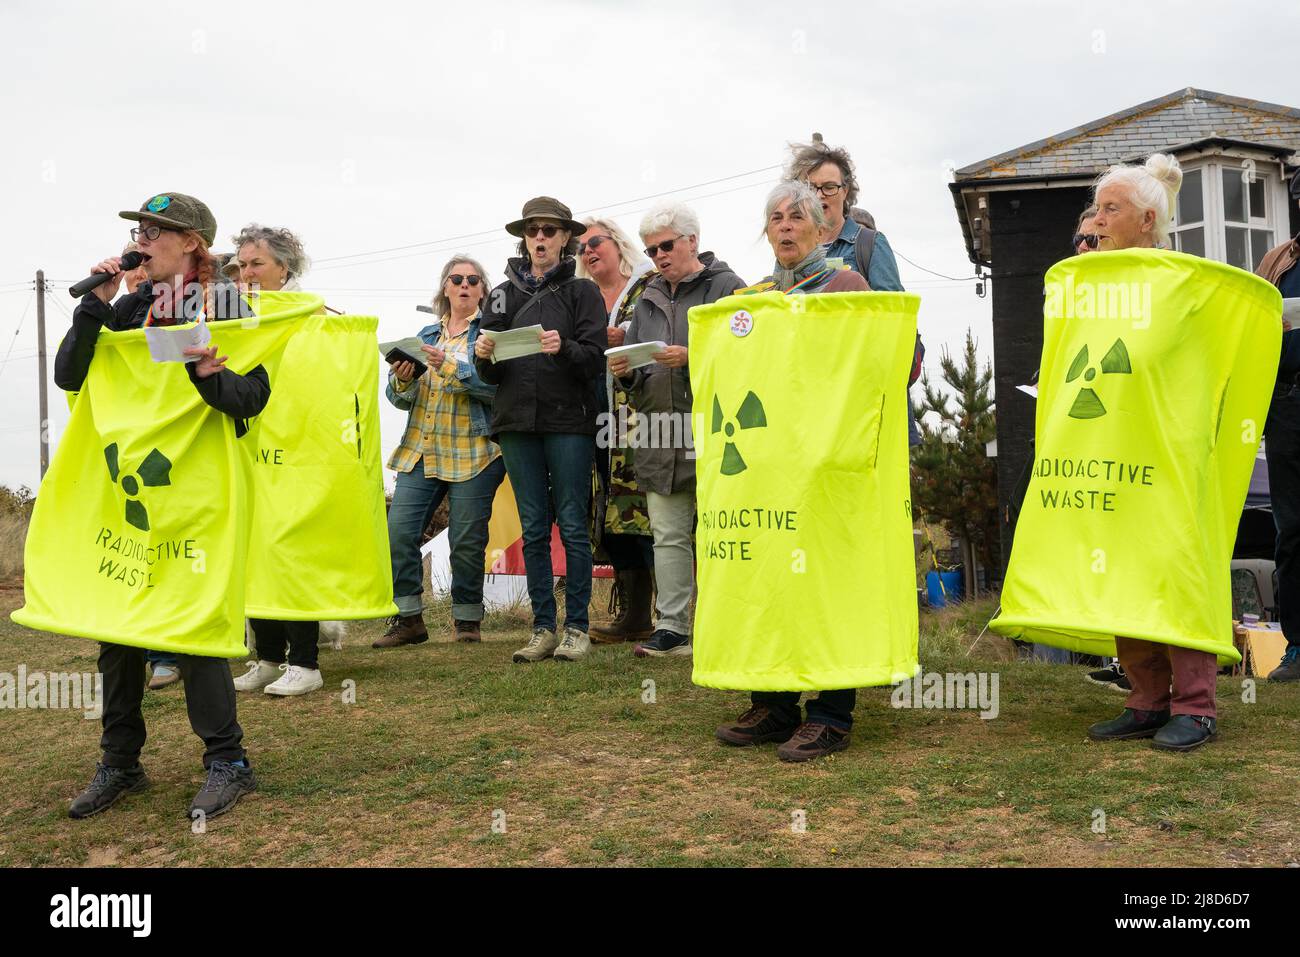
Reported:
(547, 467)
(156, 658)
(415, 498)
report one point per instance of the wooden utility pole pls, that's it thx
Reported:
(40, 371)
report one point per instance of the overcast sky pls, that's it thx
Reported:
(371, 126)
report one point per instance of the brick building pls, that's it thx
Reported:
(1018, 212)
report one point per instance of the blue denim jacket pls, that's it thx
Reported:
(882, 274)
(480, 392)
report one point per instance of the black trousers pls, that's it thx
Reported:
(834, 708)
(299, 638)
(209, 699)
(1282, 452)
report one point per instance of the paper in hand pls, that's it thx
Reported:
(168, 343)
(405, 350)
(638, 354)
(514, 343)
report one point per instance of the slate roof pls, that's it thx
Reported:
(1181, 117)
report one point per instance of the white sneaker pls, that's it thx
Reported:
(296, 680)
(539, 647)
(258, 676)
(574, 647)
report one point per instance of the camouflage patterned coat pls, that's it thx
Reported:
(625, 507)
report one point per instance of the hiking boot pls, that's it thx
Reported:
(1131, 724)
(226, 784)
(632, 597)
(297, 680)
(663, 644)
(468, 631)
(1289, 668)
(106, 788)
(574, 646)
(162, 676)
(541, 646)
(813, 740)
(403, 630)
(258, 676)
(758, 725)
(1112, 677)
(1185, 732)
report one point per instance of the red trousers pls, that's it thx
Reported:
(1152, 669)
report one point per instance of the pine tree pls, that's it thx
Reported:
(955, 483)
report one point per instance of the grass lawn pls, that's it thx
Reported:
(443, 736)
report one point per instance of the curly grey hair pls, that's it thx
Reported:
(285, 247)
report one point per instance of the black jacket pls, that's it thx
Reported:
(239, 396)
(541, 393)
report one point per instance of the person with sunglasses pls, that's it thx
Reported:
(1085, 232)
(1282, 451)
(662, 392)
(445, 452)
(620, 521)
(544, 414)
(174, 237)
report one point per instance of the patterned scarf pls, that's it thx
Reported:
(807, 268)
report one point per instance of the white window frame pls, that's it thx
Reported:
(1276, 198)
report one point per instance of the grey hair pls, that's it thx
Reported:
(801, 196)
(285, 247)
(628, 255)
(678, 217)
(1088, 213)
(806, 157)
(441, 304)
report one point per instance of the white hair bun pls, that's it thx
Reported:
(1166, 171)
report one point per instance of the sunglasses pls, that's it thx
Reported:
(594, 243)
(666, 246)
(456, 279)
(547, 231)
(1087, 239)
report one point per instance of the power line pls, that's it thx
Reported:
(931, 271)
(21, 320)
(497, 231)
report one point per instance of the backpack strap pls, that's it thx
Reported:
(863, 246)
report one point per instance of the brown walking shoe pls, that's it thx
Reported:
(403, 630)
(468, 631)
(812, 740)
(756, 726)
(630, 604)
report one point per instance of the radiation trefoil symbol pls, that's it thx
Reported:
(1087, 404)
(154, 471)
(749, 416)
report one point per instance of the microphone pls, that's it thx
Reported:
(130, 261)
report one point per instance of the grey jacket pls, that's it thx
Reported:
(661, 315)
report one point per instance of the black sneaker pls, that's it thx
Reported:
(756, 726)
(1112, 677)
(225, 785)
(106, 788)
(1185, 732)
(662, 644)
(1289, 667)
(1131, 724)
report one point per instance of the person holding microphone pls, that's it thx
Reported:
(174, 235)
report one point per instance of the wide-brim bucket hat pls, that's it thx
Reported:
(546, 207)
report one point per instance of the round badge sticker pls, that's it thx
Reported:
(742, 324)
(158, 204)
